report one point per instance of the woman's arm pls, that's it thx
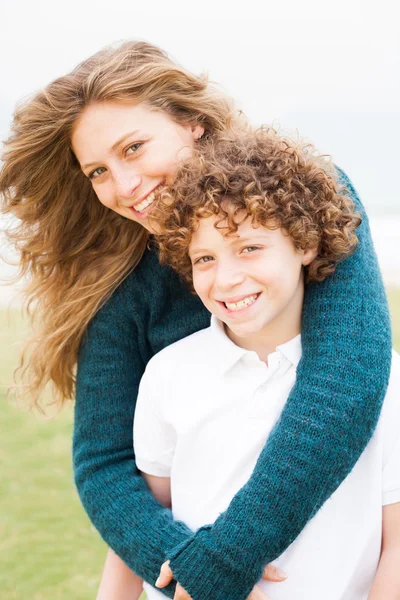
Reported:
(326, 423)
(113, 492)
(118, 581)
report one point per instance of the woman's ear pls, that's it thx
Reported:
(197, 131)
(309, 255)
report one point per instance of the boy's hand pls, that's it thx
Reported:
(270, 573)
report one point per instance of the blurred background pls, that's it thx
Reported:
(328, 72)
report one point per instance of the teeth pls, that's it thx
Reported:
(145, 203)
(242, 303)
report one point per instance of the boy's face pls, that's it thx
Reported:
(252, 280)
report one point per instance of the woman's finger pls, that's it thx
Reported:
(165, 577)
(272, 573)
(258, 594)
(181, 593)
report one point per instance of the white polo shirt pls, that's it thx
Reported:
(203, 415)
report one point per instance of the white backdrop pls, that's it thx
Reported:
(327, 69)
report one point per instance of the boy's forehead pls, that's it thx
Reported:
(215, 229)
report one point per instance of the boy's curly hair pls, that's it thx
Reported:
(272, 180)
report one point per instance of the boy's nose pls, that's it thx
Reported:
(126, 185)
(228, 277)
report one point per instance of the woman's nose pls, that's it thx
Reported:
(126, 184)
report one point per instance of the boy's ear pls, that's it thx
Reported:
(309, 255)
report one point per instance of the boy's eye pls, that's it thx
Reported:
(133, 148)
(96, 173)
(203, 259)
(250, 249)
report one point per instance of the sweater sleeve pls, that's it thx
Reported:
(111, 489)
(326, 423)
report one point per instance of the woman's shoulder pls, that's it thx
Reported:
(149, 273)
(149, 288)
(148, 276)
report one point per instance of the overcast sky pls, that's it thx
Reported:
(328, 69)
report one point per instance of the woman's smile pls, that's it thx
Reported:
(142, 207)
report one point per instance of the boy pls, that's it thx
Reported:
(248, 223)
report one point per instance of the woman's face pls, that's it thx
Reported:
(128, 151)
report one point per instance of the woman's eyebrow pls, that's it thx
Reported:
(123, 138)
(113, 147)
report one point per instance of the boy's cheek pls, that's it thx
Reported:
(201, 288)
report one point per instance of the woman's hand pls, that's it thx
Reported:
(270, 573)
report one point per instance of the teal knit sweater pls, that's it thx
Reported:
(326, 423)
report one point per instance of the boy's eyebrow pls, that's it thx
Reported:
(198, 251)
(253, 238)
(236, 239)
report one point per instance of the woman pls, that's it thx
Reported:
(106, 136)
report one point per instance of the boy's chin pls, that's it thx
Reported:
(241, 331)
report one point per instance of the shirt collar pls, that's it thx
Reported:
(226, 354)
(291, 350)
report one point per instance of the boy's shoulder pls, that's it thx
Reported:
(393, 390)
(390, 415)
(395, 361)
(191, 354)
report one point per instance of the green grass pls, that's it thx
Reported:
(48, 547)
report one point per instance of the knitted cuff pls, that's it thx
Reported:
(205, 572)
(170, 535)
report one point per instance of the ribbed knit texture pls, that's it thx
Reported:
(326, 423)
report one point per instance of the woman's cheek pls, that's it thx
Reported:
(183, 154)
(169, 172)
(106, 197)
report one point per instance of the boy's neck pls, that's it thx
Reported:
(263, 345)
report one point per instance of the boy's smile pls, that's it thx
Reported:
(239, 304)
(252, 281)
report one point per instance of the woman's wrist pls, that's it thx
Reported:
(206, 569)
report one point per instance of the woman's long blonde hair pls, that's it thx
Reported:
(74, 251)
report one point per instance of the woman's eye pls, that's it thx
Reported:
(133, 148)
(96, 173)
